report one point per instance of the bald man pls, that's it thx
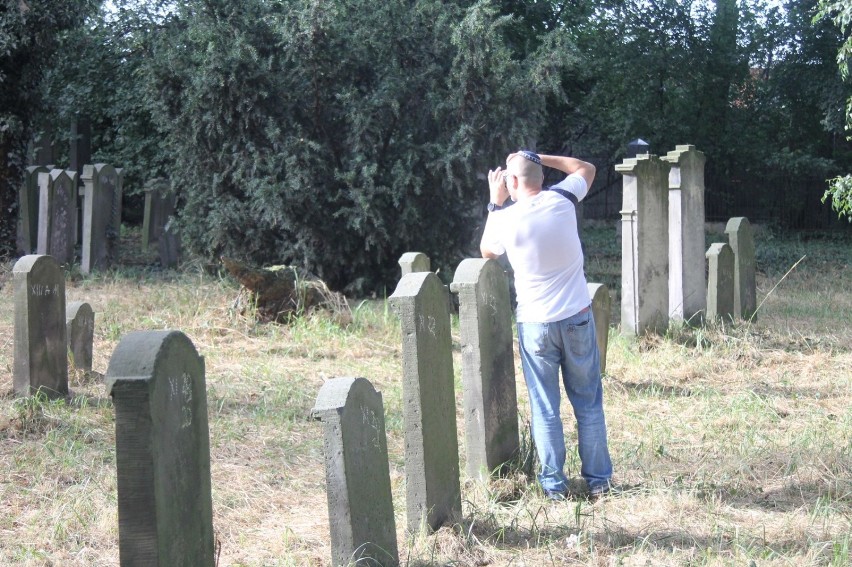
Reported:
(556, 330)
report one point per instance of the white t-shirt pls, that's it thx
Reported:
(540, 238)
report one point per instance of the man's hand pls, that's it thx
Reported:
(497, 187)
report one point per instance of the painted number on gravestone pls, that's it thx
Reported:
(368, 416)
(181, 390)
(40, 290)
(427, 324)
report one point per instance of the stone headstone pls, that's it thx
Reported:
(687, 279)
(80, 330)
(100, 236)
(41, 352)
(117, 203)
(741, 239)
(28, 196)
(433, 492)
(360, 505)
(57, 214)
(165, 512)
(720, 282)
(169, 245)
(159, 206)
(601, 311)
(412, 262)
(644, 245)
(488, 366)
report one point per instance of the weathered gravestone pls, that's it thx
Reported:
(41, 352)
(360, 505)
(165, 511)
(101, 201)
(433, 492)
(80, 330)
(57, 214)
(169, 245)
(720, 282)
(412, 262)
(644, 245)
(741, 239)
(687, 281)
(601, 311)
(28, 196)
(159, 206)
(488, 366)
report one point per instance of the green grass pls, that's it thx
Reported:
(733, 442)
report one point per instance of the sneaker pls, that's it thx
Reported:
(555, 495)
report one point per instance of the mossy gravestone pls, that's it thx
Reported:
(741, 239)
(165, 511)
(80, 329)
(41, 352)
(360, 506)
(57, 214)
(433, 492)
(720, 282)
(488, 366)
(601, 311)
(101, 198)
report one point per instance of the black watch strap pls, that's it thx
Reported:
(495, 207)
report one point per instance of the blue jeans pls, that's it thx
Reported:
(569, 344)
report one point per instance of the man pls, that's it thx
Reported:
(555, 324)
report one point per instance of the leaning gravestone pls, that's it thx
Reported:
(601, 308)
(687, 281)
(360, 505)
(412, 262)
(159, 206)
(720, 282)
(57, 214)
(28, 196)
(741, 239)
(488, 366)
(644, 245)
(41, 352)
(80, 330)
(433, 492)
(100, 236)
(165, 511)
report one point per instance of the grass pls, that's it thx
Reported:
(733, 442)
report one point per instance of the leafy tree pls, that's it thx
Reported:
(29, 38)
(840, 187)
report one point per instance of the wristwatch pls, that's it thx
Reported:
(495, 207)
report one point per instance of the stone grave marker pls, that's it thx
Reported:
(360, 505)
(159, 206)
(720, 282)
(57, 214)
(41, 351)
(601, 311)
(80, 330)
(169, 245)
(488, 366)
(644, 245)
(165, 514)
(412, 262)
(687, 280)
(100, 236)
(28, 196)
(741, 240)
(433, 492)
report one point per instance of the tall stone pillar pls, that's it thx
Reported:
(644, 245)
(687, 280)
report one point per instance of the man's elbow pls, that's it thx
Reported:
(488, 254)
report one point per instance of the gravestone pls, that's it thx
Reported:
(687, 280)
(80, 330)
(488, 366)
(41, 351)
(159, 206)
(644, 245)
(169, 245)
(100, 236)
(720, 282)
(162, 451)
(412, 262)
(741, 239)
(601, 310)
(117, 203)
(28, 196)
(433, 493)
(57, 214)
(360, 505)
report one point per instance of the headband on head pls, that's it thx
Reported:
(532, 156)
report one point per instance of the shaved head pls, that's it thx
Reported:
(518, 165)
